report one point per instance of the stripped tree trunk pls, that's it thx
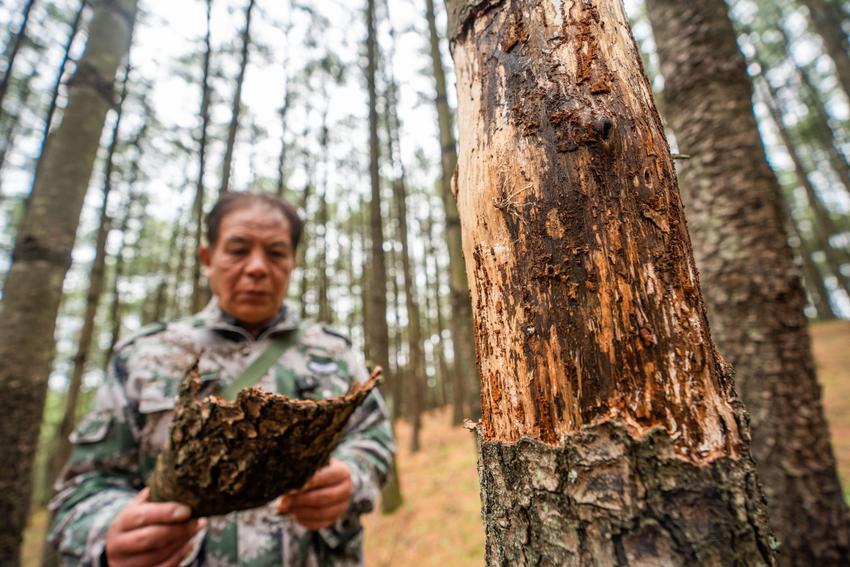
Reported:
(198, 291)
(42, 255)
(227, 163)
(610, 432)
(466, 392)
(755, 299)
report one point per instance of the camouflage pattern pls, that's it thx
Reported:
(115, 446)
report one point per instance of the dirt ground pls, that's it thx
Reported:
(440, 522)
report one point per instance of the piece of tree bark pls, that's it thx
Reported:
(610, 432)
(466, 400)
(224, 456)
(42, 255)
(754, 295)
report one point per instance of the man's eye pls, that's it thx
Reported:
(237, 251)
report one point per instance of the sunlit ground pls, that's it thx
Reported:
(440, 522)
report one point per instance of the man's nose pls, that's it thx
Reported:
(257, 265)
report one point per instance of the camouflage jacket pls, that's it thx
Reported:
(115, 446)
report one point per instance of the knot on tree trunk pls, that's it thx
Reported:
(225, 456)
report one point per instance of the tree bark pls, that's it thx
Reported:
(42, 255)
(826, 21)
(227, 163)
(16, 44)
(96, 272)
(610, 432)
(755, 298)
(198, 288)
(466, 391)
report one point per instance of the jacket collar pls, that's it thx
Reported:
(213, 318)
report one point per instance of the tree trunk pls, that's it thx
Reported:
(57, 83)
(69, 417)
(281, 160)
(322, 245)
(198, 287)
(33, 288)
(826, 21)
(227, 163)
(376, 325)
(416, 356)
(755, 299)
(813, 277)
(445, 375)
(823, 225)
(466, 391)
(610, 432)
(16, 44)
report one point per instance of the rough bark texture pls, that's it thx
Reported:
(465, 398)
(610, 433)
(224, 456)
(42, 255)
(754, 295)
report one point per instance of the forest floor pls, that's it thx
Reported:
(440, 522)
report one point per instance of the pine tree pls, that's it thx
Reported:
(754, 295)
(33, 288)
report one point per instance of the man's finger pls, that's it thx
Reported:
(175, 559)
(329, 514)
(160, 556)
(333, 473)
(320, 497)
(153, 538)
(140, 514)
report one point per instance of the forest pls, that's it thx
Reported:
(600, 249)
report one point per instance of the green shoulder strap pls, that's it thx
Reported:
(261, 365)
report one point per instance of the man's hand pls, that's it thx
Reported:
(147, 534)
(322, 500)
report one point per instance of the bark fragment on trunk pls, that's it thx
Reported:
(224, 456)
(610, 433)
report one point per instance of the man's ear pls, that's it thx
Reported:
(204, 255)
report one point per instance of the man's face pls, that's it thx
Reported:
(250, 266)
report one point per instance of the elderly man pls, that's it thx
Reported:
(102, 513)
